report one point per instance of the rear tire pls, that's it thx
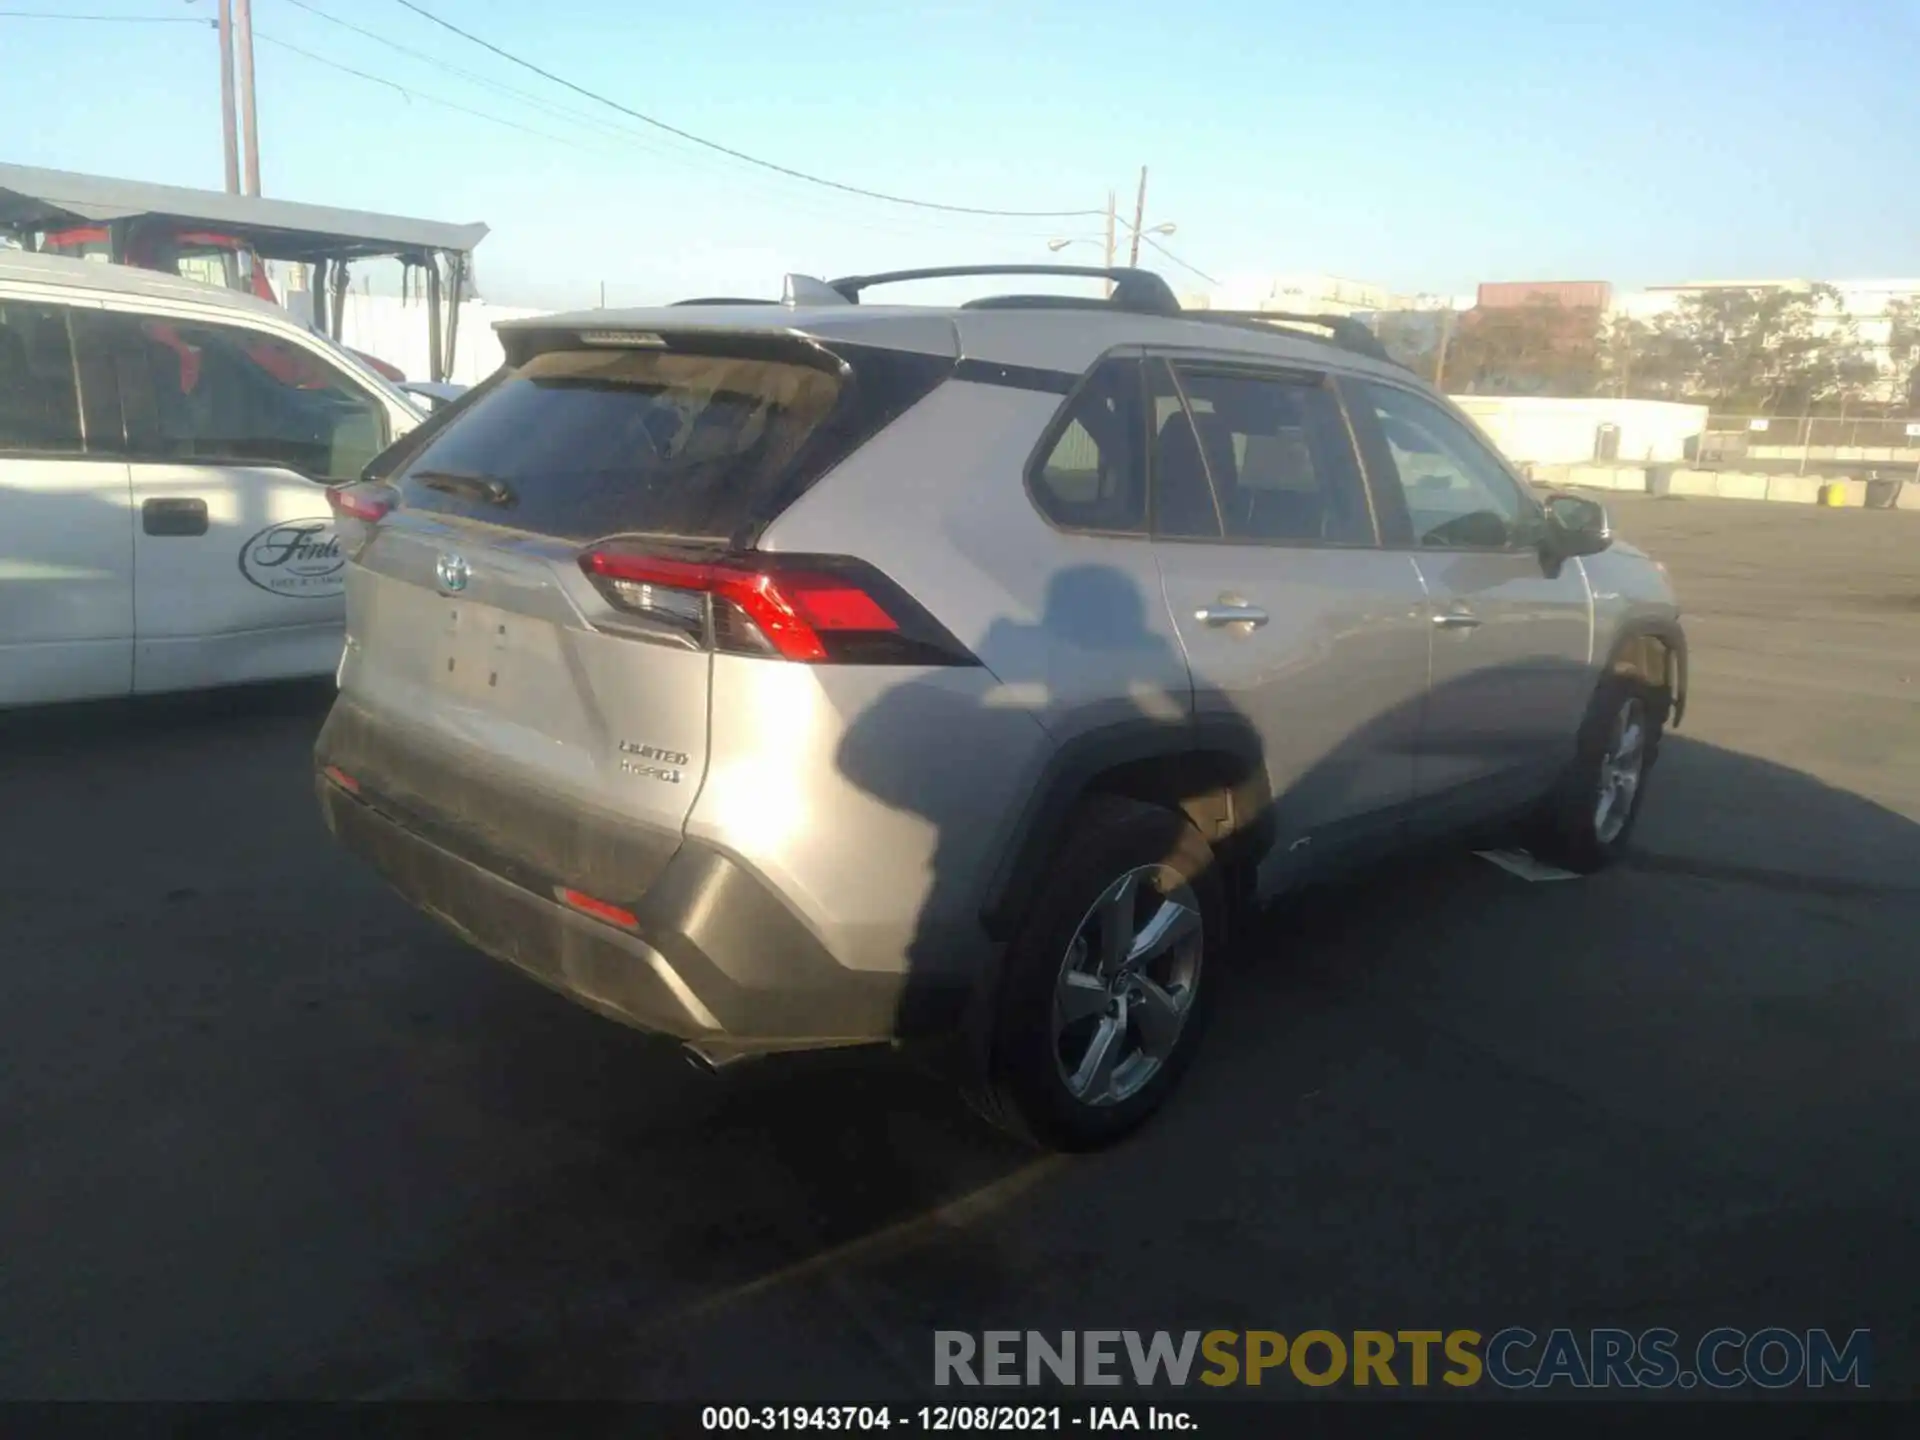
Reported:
(1587, 821)
(1109, 984)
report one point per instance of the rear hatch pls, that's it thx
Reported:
(542, 575)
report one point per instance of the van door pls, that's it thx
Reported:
(234, 435)
(66, 533)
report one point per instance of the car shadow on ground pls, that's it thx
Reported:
(55, 729)
(651, 1209)
(663, 1225)
(393, 1168)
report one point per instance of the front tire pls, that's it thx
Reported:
(1589, 819)
(1109, 984)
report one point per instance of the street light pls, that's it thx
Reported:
(1164, 228)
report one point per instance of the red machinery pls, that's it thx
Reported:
(156, 246)
(165, 227)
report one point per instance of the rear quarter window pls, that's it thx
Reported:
(1091, 476)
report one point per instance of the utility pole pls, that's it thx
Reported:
(1110, 224)
(227, 135)
(1139, 215)
(1440, 361)
(249, 113)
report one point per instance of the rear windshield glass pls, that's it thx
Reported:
(585, 443)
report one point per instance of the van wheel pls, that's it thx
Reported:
(1588, 820)
(1109, 984)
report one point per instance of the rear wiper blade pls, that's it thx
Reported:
(458, 482)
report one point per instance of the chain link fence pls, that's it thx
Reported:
(1817, 437)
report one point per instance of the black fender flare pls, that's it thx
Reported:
(1222, 752)
(1674, 639)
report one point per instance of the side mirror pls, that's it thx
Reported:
(1576, 525)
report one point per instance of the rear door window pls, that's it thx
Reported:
(39, 399)
(1276, 451)
(581, 444)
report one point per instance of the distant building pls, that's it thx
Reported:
(1300, 294)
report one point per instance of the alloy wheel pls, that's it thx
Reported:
(1126, 984)
(1622, 766)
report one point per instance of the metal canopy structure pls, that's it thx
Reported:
(35, 203)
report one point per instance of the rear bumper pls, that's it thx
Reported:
(715, 959)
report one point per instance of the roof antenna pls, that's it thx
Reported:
(806, 290)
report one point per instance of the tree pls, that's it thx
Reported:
(1776, 351)
(1412, 337)
(1643, 361)
(1903, 347)
(1540, 348)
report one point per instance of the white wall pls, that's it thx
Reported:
(396, 332)
(1545, 431)
(1305, 294)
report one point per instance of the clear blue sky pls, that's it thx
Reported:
(1425, 146)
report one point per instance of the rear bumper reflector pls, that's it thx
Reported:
(340, 777)
(598, 909)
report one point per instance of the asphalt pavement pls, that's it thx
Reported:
(265, 1132)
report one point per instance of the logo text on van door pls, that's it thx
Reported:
(299, 559)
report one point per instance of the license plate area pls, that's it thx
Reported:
(475, 644)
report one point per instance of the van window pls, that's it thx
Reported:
(39, 400)
(198, 393)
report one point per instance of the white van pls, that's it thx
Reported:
(165, 448)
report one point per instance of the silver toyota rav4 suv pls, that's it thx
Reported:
(781, 675)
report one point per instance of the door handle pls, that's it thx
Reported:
(1216, 615)
(1457, 620)
(174, 517)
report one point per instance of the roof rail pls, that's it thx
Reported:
(1345, 331)
(1037, 302)
(726, 300)
(1139, 291)
(1135, 291)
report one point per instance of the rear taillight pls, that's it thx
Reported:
(814, 609)
(366, 502)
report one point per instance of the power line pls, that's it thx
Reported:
(718, 148)
(605, 130)
(1178, 261)
(561, 112)
(538, 102)
(610, 127)
(108, 19)
(410, 94)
